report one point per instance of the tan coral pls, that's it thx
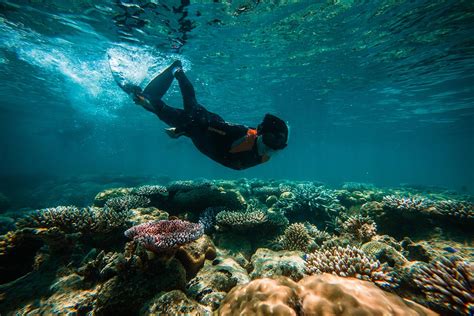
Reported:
(322, 295)
(332, 295)
(193, 254)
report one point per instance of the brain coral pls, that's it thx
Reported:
(448, 285)
(324, 295)
(349, 262)
(158, 236)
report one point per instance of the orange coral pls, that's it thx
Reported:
(322, 295)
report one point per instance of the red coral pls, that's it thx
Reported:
(158, 236)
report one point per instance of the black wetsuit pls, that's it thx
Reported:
(213, 136)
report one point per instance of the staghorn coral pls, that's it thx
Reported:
(361, 228)
(150, 190)
(296, 237)
(71, 219)
(315, 295)
(349, 262)
(158, 236)
(448, 285)
(127, 202)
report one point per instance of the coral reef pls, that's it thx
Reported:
(108, 194)
(269, 264)
(150, 190)
(296, 237)
(384, 253)
(215, 279)
(361, 228)
(455, 210)
(173, 303)
(308, 202)
(158, 236)
(407, 204)
(350, 262)
(357, 186)
(244, 221)
(194, 253)
(76, 260)
(127, 202)
(71, 219)
(448, 285)
(315, 295)
(146, 214)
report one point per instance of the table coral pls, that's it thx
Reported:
(163, 235)
(72, 219)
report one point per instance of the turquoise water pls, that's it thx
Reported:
(101, 213)
(374, 91)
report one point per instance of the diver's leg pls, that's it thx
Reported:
(187, 90)
(173, 117)
(158, 87)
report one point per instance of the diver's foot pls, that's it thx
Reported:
(176, 66)
(173, 133)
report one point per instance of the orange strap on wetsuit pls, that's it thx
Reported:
(245, 143)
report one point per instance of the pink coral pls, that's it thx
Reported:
(158, 236)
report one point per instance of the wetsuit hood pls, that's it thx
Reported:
(274, 132)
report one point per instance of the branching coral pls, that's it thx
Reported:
(127, 202)
(407, 204)
(357, 186)
(158, 236)
(349, 262)
(361, 228)
(296, 237)
(306, 198)
(318, 236)
(71, 219)
(448, 284)
(150, 190)
(242, 221)
(457, 209)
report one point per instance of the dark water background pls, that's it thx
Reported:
(374, 91)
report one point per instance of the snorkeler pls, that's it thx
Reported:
(234, 146)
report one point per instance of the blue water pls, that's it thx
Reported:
(374, 91)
